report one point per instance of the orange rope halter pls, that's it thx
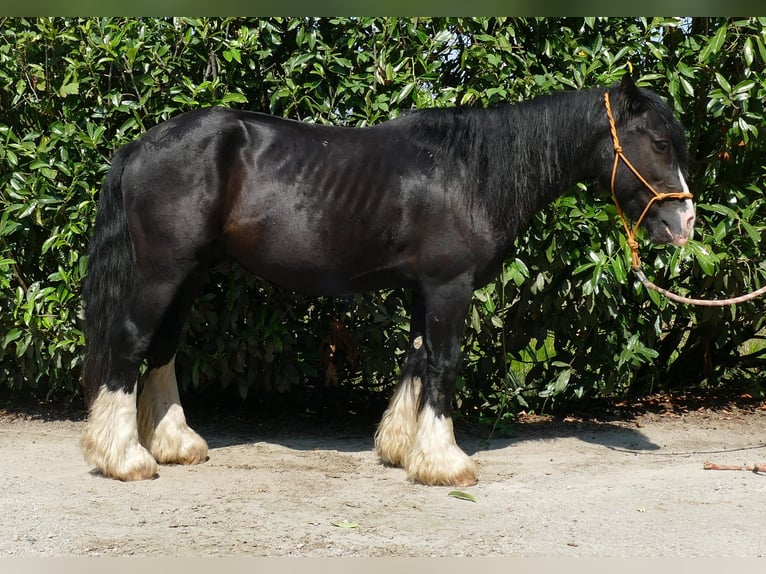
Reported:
(657, 196)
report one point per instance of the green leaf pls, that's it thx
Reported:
(704, 258)
(721, 209)
(713, 45)
(761, 48)
(459, 494)
(11, 336)
(723, 82)
(405, 91)
(345, 524)
(752, 232)
(234, 97)
(747, 52)
(619, 269)
(232, 54)
(562, 381)
(742, 89)
(687, 86)
(69, 89)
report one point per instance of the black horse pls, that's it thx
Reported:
(430, 202)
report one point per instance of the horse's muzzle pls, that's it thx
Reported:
(686, 217)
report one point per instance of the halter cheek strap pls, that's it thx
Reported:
(656, 195)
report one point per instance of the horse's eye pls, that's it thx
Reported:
(661, 145)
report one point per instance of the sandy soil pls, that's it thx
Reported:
(627, 488)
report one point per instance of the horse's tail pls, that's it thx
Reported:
(109, 281)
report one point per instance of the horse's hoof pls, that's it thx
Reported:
(466, 479)
(449, 468)
(135, 463)
(183, 447)
(462, 480)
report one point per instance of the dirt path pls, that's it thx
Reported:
(624, 489)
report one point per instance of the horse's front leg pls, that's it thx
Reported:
(435, 458)
(395, 436)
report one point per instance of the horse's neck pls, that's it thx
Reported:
(548, 146)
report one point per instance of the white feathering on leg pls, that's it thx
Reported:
(435, 458)
(110, 442)
(161, 421)
(396, 431)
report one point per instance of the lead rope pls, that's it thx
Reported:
(631, 232)
(703, 302)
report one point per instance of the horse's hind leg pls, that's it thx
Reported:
(396, 432)
(162, 426)
(111, 441)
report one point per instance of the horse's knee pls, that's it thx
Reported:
(110, 442)
(162, 426)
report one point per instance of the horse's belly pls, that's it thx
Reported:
(312, 270)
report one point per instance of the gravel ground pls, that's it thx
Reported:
(287, 487)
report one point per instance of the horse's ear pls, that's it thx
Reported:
(631, 98)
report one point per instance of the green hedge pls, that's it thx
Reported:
(564, 321)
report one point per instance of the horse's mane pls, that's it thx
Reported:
(515, 158)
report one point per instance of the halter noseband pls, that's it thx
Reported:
(657, 196)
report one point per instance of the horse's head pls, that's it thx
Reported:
(646, 160)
